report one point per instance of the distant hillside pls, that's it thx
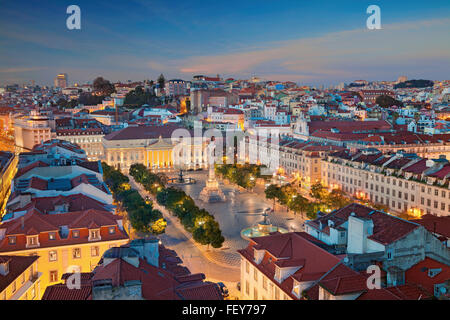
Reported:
(414, 84)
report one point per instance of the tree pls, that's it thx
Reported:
(273, 192)
(159, 226)
(318, 191)
(161, 82)
(103, 86)
(337, 199)
(299, 204)
(387, 102)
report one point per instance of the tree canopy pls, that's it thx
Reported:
(387, 102)
(103, 87)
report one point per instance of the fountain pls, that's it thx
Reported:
(181, 180)
(261, 229)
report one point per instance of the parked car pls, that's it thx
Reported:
(223, 289)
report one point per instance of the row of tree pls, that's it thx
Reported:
(201, 224)
(322, 199)
(244, 175)
(142, 216)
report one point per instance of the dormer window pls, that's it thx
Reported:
(112, 230)
(76, 233)
(94, 235)
(52, 236)
(12, 240)
(32, 241)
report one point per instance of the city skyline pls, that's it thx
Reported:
(314, 44)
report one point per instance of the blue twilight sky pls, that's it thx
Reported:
(311, 42)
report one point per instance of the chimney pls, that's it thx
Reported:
(4, 268)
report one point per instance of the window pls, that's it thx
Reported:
(247, 267)
(95, 251)
(94, 234)
(247, 288)
(54, 276)
(277, 293)
(12, 240)
(76, 233)
(112, 230)
(255, 294)
(76, 253)
(52, 256)
(23, 278)
(255, 274)
(52, 236)
(389, 254)
(33, 292)
(32, 241)
(13, 287)
(264, 283)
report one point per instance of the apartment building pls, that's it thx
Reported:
(19, 278)
(32, 130)
(148, 271)
(403, 182)
(87, 133)
(297, 266)
(281, 266)
(175, 87)
(65, 242)
(8, 168)
(368, 235)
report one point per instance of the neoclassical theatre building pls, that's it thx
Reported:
(154, 147)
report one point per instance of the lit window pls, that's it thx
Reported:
(95, 251)
(54, 276)
(52, 256)
(76, 253)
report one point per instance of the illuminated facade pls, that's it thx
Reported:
(65, 243)
(8, 168)
(32, 130)
(405, 183)
(19, 278)
(153, 147)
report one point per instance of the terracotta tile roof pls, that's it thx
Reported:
(157, 283)
(35, 222)
(76, 202)
(17, 265)
(143, 132)
(297, 249)
(386, 230)
(442, 174)
(419, 274)
(342, 280)
(349, 126)
(417, 168)
(405, 292)
(435, 224)
(60, 292)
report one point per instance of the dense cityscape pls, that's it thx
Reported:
(213, 187)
